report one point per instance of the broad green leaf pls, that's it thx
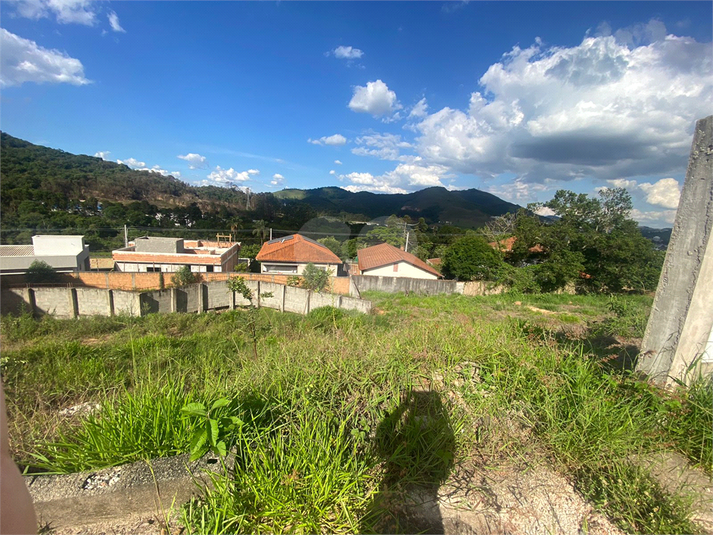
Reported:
(198, 442)
(213, 431)
(222, 402)
(194, 409)
(220, 448)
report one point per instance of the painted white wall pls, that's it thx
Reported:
(405, 270)
(332, 269)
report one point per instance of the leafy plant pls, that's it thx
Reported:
(212, 426)
(294, 280)
(315, 278)
(253, 326)
(184, 277)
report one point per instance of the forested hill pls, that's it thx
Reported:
(57, 179)
(466, 208)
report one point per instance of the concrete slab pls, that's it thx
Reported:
(138, 490)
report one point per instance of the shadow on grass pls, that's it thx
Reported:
(416, 444)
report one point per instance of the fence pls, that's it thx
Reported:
(115, 280)
(74, 302)
(368, 283)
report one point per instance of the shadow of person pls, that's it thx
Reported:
(415, 444)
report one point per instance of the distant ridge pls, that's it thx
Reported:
(51, 176)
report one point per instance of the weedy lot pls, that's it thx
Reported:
(338, 410)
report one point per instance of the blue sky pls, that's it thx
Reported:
(519, 99)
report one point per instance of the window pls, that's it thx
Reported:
(153, 269)
(209, 269)
(279, 268)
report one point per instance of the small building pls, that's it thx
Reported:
(291, 254)
(65, 254)
(167, 255)
(385, 260)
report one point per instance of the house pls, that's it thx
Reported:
(64, 253)
(291, 254)
(151, 254)
(385, 260)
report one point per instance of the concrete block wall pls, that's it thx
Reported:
(14, 300)
(93, 302)
(126, 303)
(54, 301)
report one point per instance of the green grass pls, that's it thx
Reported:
(340, 409)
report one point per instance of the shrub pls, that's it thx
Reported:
(184, 276)
(315, 278)
(41, 272)
(294, 280)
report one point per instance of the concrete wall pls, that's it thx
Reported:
(366, 283)
(404, 269)
(682, 315)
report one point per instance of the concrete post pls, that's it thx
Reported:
(73, 305)
(308, 304)
(282, 298)
(201, 297)
(110, 302)
(30, 300)
(174, 300)
(258, 294)
(676, 345)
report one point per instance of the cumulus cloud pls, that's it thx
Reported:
(114, 22)
(666, 192)
(23, 61)
(332, 172)
(133, 163)
(335, 140)
(518, 191)
(346, 52)
(338, 162)
(103, 154)
(610, 107)
(277, 179)
(375, 99)
(405, 177)
(195, 161)
(225, 177)
(382, 146)
(65, 11)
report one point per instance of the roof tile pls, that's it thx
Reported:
(385, 255)
(296, 248)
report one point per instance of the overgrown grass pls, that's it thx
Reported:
(339, 407)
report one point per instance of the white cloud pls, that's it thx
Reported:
(518, 191)
(623, 183)
(382, 146)
(375, 99)
(606, 108)
(338, 162)
(277, 179)
(103, 154)
(332, 172)
(114, 22)
(347, 52)
(195, 161)
(335, 140)
(137, 165)
(65, 11)
(405, 177)
(133, 163)
(656, 218)
(420, 110)
(664, 193)
(23, 61)
(223, 177)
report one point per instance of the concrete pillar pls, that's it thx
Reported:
(257, 297)
(174, 300)
(30, 300)
(73, 305)
(110, 302)
(282, 298)
(201, 297)
(308, 304)
(679, 327)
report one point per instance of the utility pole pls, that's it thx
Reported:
(126, 236)
(270, 233)
(406, 248)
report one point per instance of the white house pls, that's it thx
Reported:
(385, 260)
(64, 253)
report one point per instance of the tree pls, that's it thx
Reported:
(471, 258)
(250, 251)
(331, 243)
(261, 229)
(41, 272)
(314, 278)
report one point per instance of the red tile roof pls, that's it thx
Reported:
(296, 248)
(385, 255)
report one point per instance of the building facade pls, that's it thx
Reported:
(385, 260)
(291, 254)
(168, 255)
(65, 254)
